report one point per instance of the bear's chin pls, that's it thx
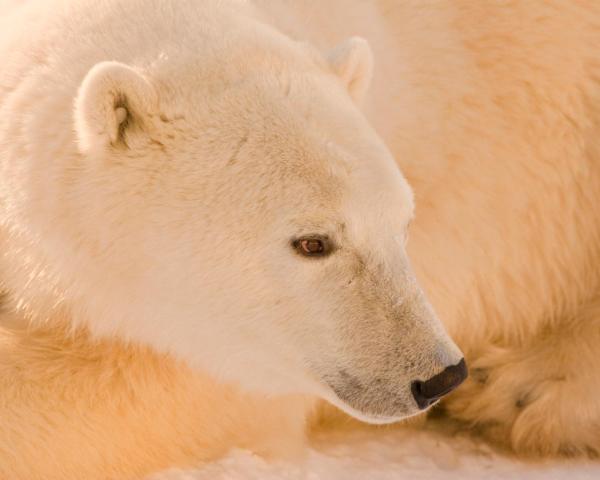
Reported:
(369, 417)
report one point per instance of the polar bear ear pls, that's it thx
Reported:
(352, 61)
(112, 104)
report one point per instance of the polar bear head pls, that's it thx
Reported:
(240, 212)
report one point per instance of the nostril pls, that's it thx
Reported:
(422, 400)
(427, 392)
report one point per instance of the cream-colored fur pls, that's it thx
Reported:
(156, 183)
(74, 408)
(491, 113)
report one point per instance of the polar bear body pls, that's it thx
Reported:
(491, 115)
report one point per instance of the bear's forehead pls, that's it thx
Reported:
(265, 133)
(289, 142)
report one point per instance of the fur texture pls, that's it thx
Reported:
(157, 183)
(495, 123)
(491, 111)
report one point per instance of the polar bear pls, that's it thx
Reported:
(198, 183)
(203, 228)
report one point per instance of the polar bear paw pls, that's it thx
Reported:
(534, 401)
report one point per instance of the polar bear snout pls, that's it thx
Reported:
(428, 392)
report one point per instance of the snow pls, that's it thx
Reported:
(396, 454)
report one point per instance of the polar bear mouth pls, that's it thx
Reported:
(377, 401)
(358, 410)
(373, 401)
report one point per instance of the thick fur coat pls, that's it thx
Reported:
(144, 300)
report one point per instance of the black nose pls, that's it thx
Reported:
(427, 392)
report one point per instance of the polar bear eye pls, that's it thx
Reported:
(313, 246)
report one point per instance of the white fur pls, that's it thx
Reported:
(154, 182)
(110, 94)
(352, 61)
(172, 229)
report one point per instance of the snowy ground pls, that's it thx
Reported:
(392, 455)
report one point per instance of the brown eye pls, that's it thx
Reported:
(312, 246)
